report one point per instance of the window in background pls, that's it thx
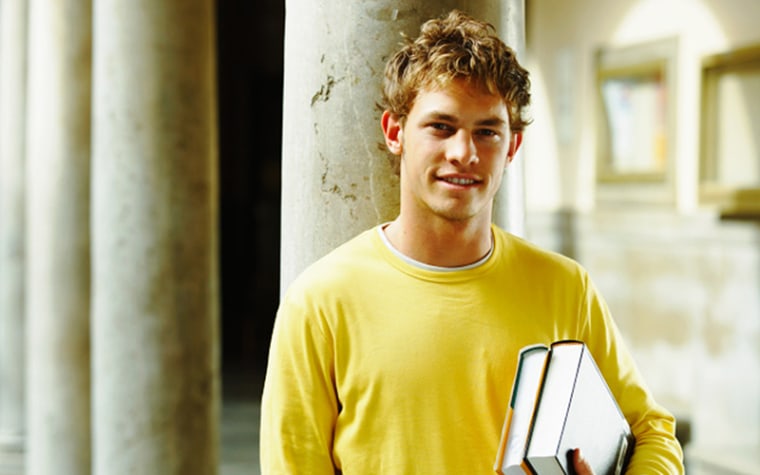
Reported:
(730, 132)
(635, 132)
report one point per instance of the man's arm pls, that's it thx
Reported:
(299, 406)
(657, 451)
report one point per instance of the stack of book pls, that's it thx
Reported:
(560, 402)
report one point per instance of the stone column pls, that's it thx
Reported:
(509, 207)
(58, 238)
(156, 383)
(13, 15)
(336, 176)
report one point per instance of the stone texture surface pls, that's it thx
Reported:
(155, 315)
(239, 430)
(12, 228)
(684, 292)
(58, 239)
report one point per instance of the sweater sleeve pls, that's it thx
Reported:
(657, 450)
(299, 405)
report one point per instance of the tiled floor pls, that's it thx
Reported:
(239, 431)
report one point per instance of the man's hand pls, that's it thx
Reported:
(580, 464)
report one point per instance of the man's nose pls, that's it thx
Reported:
(461, 148)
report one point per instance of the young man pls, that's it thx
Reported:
(395, 353)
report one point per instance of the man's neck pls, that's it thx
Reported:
(442, 243)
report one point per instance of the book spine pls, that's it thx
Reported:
(503, 441)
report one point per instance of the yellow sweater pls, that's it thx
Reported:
(379, 366)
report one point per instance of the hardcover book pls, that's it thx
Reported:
(573, 407)
(514, 434)
(576, 409)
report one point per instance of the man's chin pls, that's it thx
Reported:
(458, 215)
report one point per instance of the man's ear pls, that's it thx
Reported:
(514, 143)
(392, 131)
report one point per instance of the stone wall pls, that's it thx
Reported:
(685, 292)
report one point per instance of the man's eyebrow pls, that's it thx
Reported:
(492, 121)
(442, 116)
(436, 115)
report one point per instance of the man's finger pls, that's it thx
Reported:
(582, 466)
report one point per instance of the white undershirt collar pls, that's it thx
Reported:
(430, 267)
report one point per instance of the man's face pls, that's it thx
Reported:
(454, 146)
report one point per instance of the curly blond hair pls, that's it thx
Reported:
(453, 47)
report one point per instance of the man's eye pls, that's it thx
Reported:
(442, 127)
(487, 132)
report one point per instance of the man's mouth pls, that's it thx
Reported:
(458, 181)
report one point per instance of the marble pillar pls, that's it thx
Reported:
(13, 15)
(155, 335)
(509, 206)
(58, 238)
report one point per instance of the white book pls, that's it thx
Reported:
(576, 409)
(514, 434)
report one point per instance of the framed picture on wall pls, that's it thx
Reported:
(730, 132)
(635, 127)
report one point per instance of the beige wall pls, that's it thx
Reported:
(562, 38)
(683, 285)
